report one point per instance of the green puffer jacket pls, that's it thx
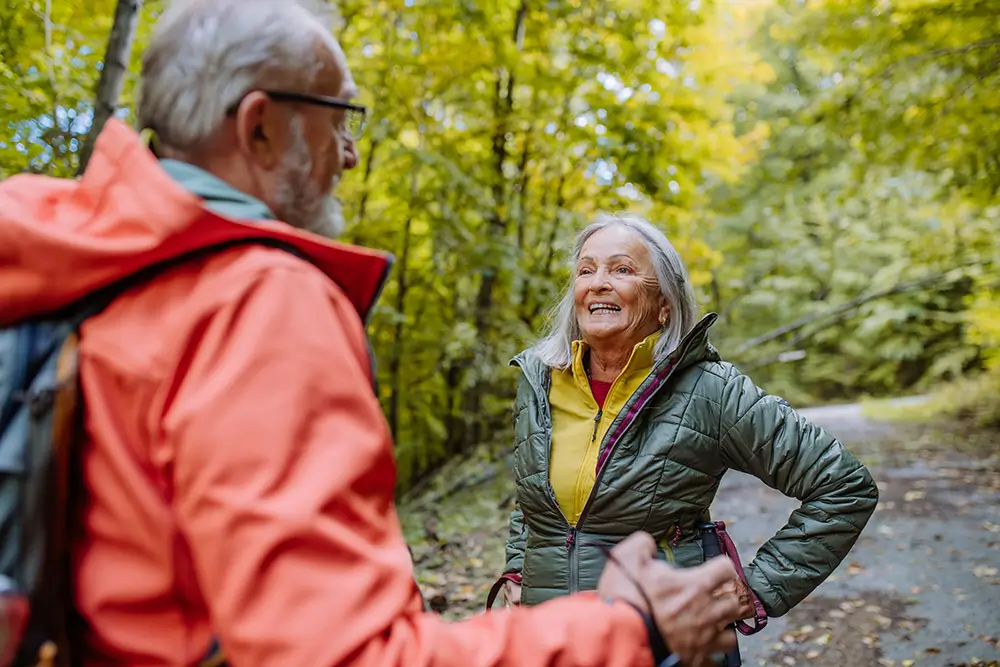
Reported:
(694, 418)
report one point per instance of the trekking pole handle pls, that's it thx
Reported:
(712, 548)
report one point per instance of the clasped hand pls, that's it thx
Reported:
(694, 608)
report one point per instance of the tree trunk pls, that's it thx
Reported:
(395, 361)
(498, 220)
(109, 86)
(530, 315)
(365, 193)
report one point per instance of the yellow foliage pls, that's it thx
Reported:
(984, 326)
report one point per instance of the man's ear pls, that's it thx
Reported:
(260, 129)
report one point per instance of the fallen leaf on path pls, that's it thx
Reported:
(984, 571)
(910, 496)
(855, 568)
(907, 663)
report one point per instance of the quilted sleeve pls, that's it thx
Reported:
(762, 435)
(516, 540)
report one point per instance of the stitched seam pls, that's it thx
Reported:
(659, 480)
(820, 539)
(722, 412)
(832, 518)
(683, 425)
(770, 587)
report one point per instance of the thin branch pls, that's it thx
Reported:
(839, 312)
(48, 45)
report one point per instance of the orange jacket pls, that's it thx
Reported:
(239, 470)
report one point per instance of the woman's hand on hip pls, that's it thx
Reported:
(511, 594)
(739, 591)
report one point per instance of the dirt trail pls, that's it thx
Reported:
(921, 588)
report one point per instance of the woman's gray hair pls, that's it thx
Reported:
(205, 55)
(556, 347)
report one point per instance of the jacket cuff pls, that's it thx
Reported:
(765, 593)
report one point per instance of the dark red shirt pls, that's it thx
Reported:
(600, 391)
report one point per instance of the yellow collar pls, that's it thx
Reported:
(639, 361)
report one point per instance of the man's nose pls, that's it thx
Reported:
(350, 154)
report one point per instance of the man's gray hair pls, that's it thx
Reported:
(205, 55)
(556, 347)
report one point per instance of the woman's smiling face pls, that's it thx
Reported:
(616, 293)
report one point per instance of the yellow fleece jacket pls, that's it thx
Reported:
(579, 425)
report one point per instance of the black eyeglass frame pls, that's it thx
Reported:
(321, 100)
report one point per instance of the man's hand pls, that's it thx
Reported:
(691, 617)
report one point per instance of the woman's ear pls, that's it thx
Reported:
(664, 315)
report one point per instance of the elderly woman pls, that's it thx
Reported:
(626, 419)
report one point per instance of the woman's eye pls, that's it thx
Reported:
(584, 272)
(623, 269)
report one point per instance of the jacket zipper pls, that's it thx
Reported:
(571, 540)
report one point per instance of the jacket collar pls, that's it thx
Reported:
(218, 196)
(640, 359)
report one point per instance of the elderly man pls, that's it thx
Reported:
(238, 468)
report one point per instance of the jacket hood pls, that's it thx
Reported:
(62, 239)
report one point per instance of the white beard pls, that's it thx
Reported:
(298, 200)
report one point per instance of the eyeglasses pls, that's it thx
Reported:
(355, 115)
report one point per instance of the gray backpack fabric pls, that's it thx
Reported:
(37, 397)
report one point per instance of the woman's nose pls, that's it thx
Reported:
(599, 282)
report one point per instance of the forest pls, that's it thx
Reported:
(828, 169)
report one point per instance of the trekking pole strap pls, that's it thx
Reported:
(728, 548)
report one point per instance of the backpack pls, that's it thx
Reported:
(41, 419)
